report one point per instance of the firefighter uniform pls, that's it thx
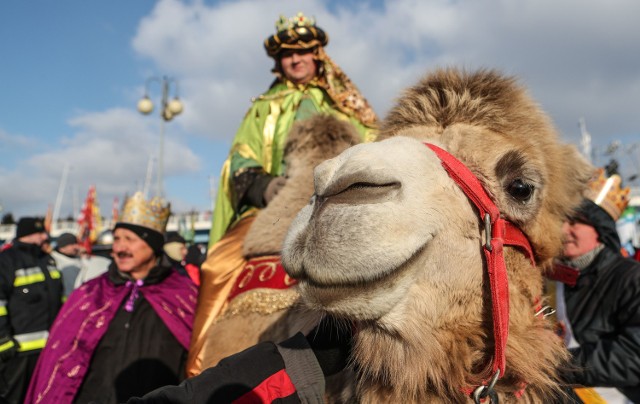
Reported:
(30, 298)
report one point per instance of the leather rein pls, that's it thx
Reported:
(498, 233)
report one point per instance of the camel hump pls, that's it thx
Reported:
(483, 98)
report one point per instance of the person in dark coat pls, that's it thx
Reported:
(30, 298)
(126, 332)
(599, 303)
(292, 371)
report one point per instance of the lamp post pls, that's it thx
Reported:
(170, 108)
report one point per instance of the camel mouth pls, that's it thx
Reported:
(353, 284)
(358, 299)
(379, 276)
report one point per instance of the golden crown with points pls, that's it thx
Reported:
(153, 214)
(607, 193)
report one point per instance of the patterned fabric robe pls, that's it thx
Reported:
(84, 320)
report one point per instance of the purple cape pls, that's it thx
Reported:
(83, 321)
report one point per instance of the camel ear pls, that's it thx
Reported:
(569, 181)
(578, 169)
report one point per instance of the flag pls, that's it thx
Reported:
(47, 219)
(114, 211)
(89, 220)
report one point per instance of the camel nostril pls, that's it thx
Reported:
(365, 193)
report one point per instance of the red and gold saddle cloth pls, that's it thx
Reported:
(261, 273)
(262, 288)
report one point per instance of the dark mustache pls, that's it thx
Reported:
(123, 255)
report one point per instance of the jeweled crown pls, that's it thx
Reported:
(297, 32)
(297, 21)
(153, 214)
(607, 193)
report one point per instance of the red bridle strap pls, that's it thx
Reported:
(499, 232)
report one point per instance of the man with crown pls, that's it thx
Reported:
(307, 82)
(598, 298)
(126, 332)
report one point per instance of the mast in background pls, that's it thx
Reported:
(585, 140)
(63, 183)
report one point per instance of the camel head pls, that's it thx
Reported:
(390, 242)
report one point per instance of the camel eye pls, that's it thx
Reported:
(520, 190)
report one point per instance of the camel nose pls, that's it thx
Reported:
(323, 174)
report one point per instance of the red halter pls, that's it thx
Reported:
(498, 232)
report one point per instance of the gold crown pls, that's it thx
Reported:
(297, 21)
(153, 214)
(607, 193)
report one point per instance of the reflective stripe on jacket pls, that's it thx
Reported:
(31, 340)
(34, 275)
(30, 296)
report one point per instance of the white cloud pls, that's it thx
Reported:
(109, 149)
(12, 141)
(571, 54)
(579, 59)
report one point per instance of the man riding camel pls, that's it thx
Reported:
(307, 82)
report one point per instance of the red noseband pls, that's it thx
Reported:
(499, 232)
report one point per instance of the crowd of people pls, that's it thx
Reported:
(123, 322)
(81, 327)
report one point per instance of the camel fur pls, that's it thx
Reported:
(390, 243)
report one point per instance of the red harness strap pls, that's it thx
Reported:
(499, 232)
(564, 274)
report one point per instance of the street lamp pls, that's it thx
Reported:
(170, 108)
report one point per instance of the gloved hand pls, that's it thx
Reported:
(8, 348)
(331, 342)
(275, 185)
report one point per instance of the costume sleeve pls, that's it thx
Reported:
(614, 361)
(263, 373)
(258, 144)
(8, 346)
(244, 155)
(248, 143)
(255, 147)
(249, 178)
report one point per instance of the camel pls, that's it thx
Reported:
(259, 311)
(394, 246)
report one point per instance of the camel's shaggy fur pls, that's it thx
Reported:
(393, 245)
(310, 142)
(271, 314)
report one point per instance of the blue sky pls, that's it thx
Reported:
(64, 57)
(72, 72)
